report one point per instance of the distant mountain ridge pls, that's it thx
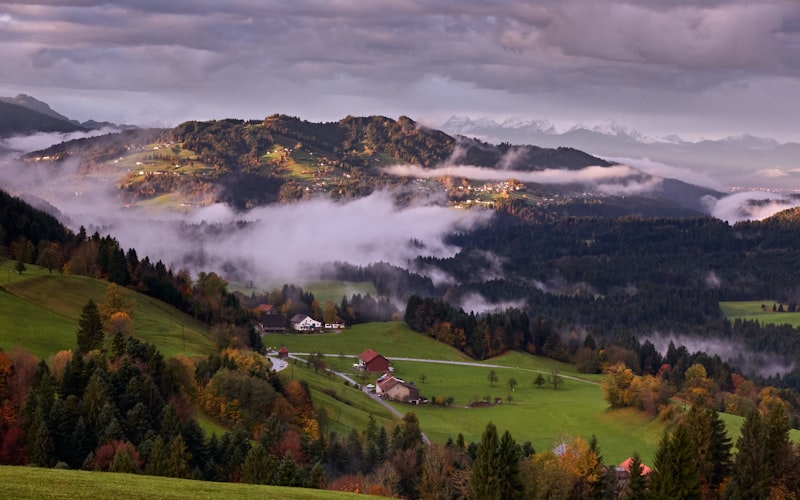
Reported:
(744, 160)
(36, 105)
(24, 115)
(21, 120)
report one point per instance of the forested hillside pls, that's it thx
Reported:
(248, 163)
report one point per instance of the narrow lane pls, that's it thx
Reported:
(363, 389)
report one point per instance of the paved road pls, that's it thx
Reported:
(278, 364)
(462, 363)
(352, 382)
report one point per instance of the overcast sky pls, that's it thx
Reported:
(697, 68)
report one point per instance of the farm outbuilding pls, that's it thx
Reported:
(371, 361)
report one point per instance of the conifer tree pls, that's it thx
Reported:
(178, 458)
(258, 468)
(675, 474)
(751, 475)
(158, 463)
(484, 481)
(318, 478)
(712, 448)
(90, 328)
(637, 482)
(289, 473)
(496, 472)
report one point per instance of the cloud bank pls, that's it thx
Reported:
(713, 67)
(276, 242)
(614, 180)
(750, 205)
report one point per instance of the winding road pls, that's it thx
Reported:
(458, 363)
(352, 382)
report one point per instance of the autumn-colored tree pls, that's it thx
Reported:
(329, 314)
(50, 256)
(583, 462)
(116, 300)
(58, 363)
(119, 323)
(11, 442)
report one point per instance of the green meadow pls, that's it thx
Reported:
(752, 310)
(40, 311)
(344, 406)
(542, 415)
(390, 339)
(36, 483)
(323, 290)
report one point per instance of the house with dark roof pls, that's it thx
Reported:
(272, 322)
(371, 361)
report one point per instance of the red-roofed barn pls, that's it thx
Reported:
(371, 361)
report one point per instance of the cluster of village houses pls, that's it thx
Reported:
(274, 322)
(387, 385)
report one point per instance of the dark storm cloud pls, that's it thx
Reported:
(350, 56)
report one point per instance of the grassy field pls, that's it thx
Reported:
(31, 482)
(346, 407)
(389, 339)
(41, 311)
(752, 310)
(323, 290)
(541, 415)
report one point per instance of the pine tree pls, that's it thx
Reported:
(675, 473)
(751, 475)
(157, 462)
(508, 457)
(484, 481)
(178, 458)
(289, 473)
(776, 437)
(318, 478)
(496, 472)
(712, 448)
(90, 328)
(259, 468)
(637, 482)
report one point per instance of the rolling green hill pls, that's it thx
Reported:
(30, 482)
(40, 311)
(541, 415)
(752, 310)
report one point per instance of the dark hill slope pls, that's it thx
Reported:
(20, 120)
(19, 219)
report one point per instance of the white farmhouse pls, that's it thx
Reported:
(305, 323)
